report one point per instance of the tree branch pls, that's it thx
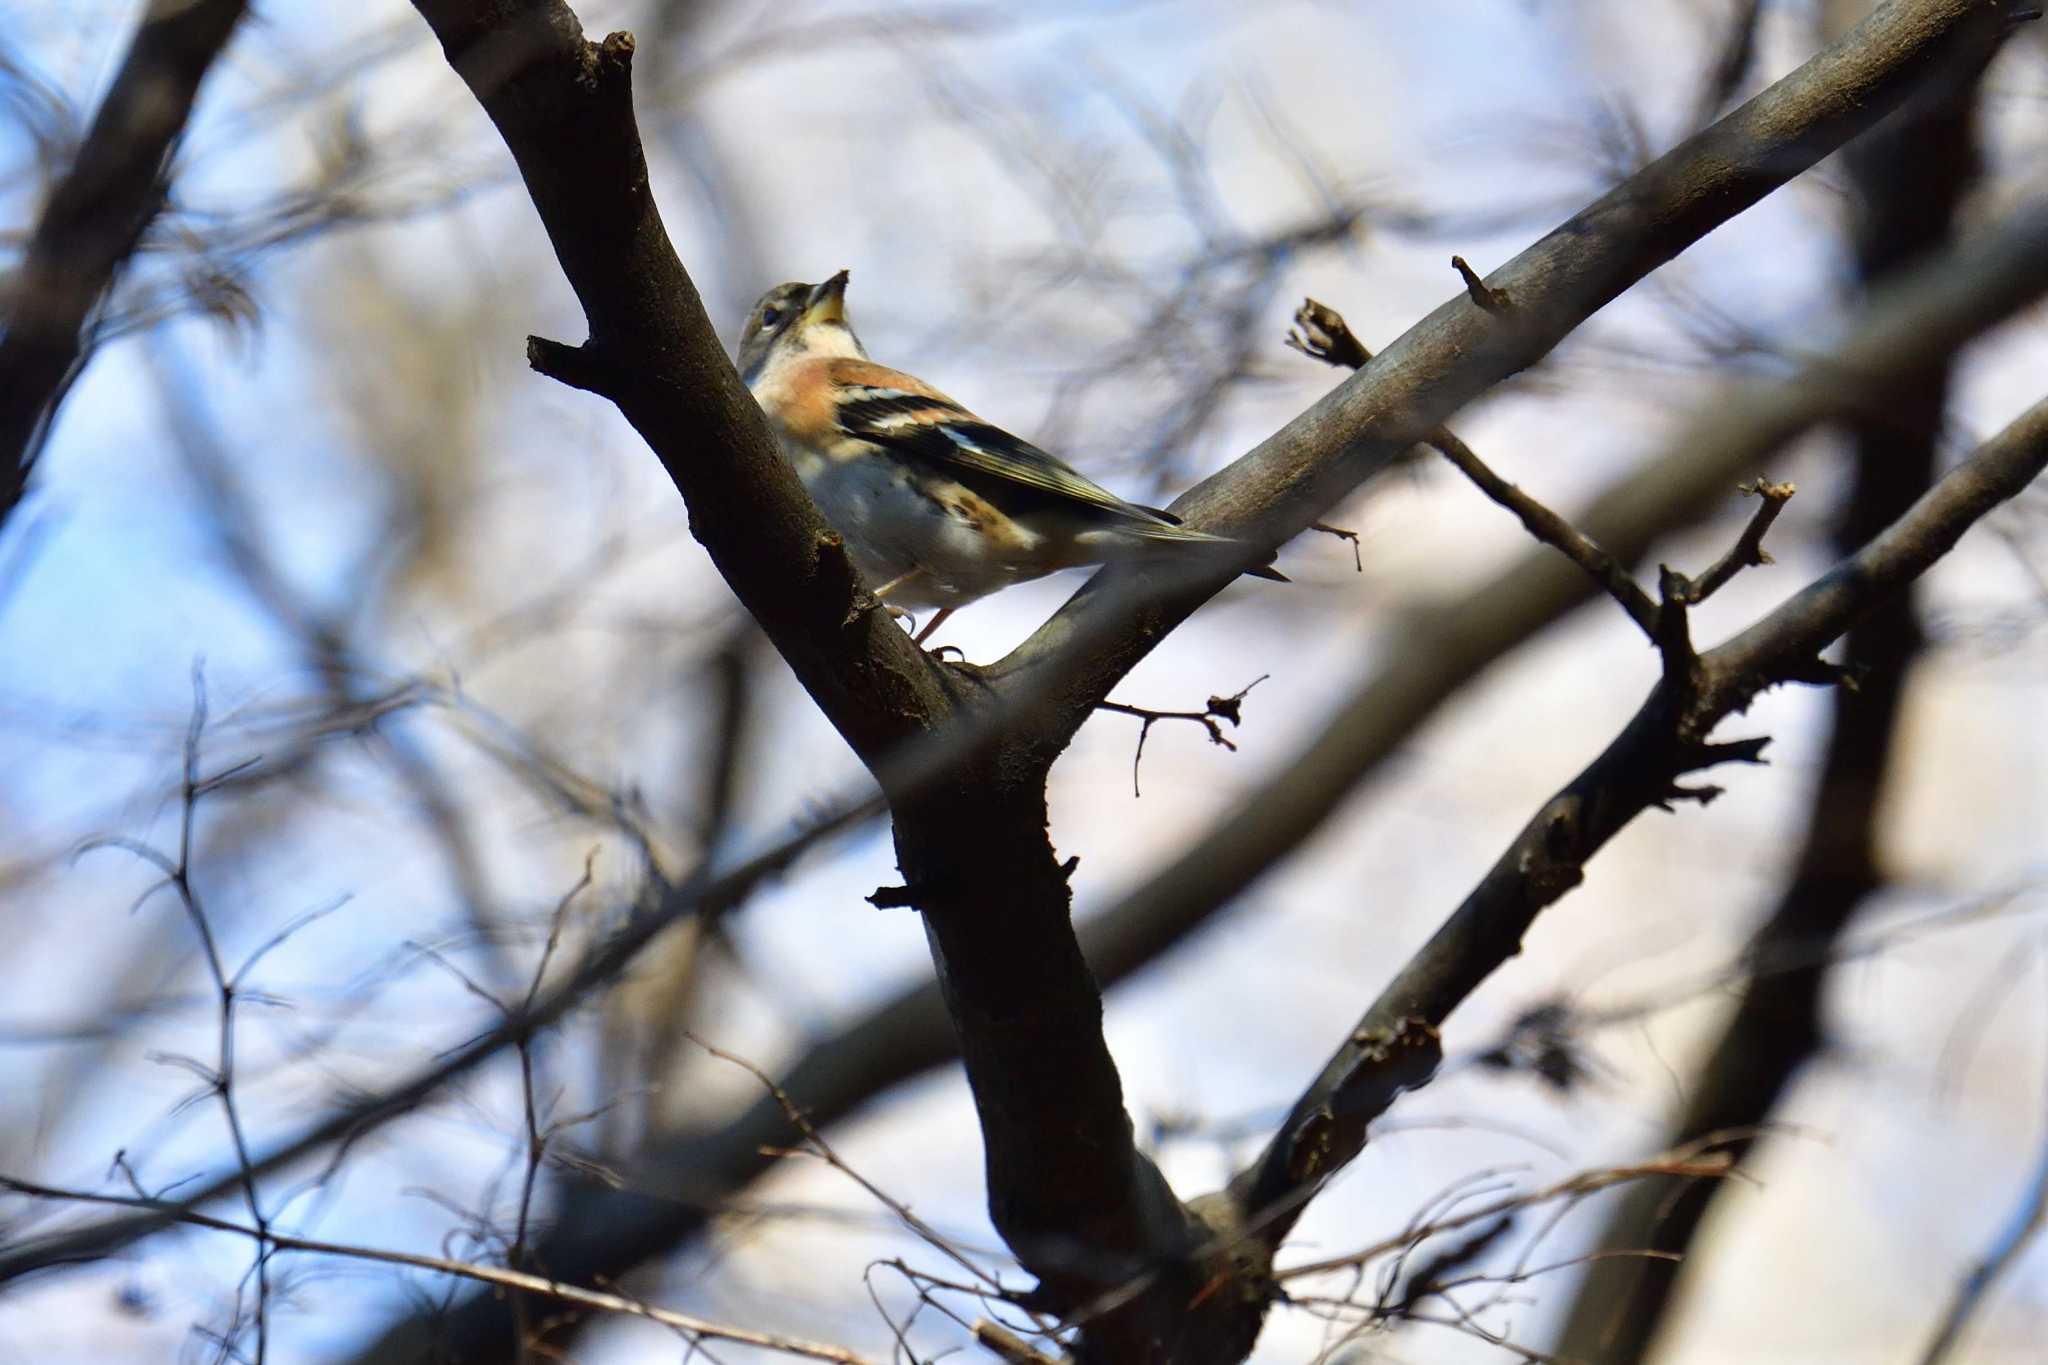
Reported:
(1747, 551)
(270, 1240)
(1320, 331)
(1461, 350)
(1912, 175)
(1230, 708)
(1074, 1198)
(1947, 303)
(95, 218)
(1391, 1049)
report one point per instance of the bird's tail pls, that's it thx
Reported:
(1165, 526)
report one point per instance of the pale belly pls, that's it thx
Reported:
(892, 529)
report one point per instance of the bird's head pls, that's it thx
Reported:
(797, 319)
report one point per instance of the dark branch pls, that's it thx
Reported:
(95, 218)
(1230, 708)
(1321, 331)
(1911, 176)
(1748, 550)
(1664, 740)
(1075, 1199)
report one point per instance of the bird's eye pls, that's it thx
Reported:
(771, 315)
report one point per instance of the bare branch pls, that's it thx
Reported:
(600, 966)
(1321, 331)
(1748, 550)
(219, 1078)
(971, 841)
(95, 218)
(519, 1281)
(1665, 739)
(1230, 708)
(1695, 1161)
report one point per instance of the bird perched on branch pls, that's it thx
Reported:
(937, 507)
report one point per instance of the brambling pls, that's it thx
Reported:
(937, 507)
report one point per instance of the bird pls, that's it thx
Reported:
(936, 506)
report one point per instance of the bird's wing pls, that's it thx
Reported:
(902, 412)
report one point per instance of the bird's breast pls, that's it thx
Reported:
(896, 518)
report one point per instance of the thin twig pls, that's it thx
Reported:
(1553, 530)
(2028, 1218)
(1008, 1346)
(1695, 1160)
(1228, 708)
(930, 1235)
(1321, 332)
(536, 1136)
(1748, 549)
(599, 965)
(519, 1280)
(220, 1077)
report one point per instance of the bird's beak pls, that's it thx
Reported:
(827, 302)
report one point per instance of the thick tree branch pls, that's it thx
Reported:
(1067, 1187)
(95, 218)
(1912, 330)
(1461, 350)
